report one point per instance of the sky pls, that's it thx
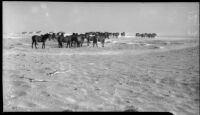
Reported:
(131, 17)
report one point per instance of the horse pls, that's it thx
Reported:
(52, 36)
(80, 40)
(64, 39)
(88, 40)
(68, 39)
(60, 39)
(94, 38)
(42, 38)
(74, 40)
(102, 40)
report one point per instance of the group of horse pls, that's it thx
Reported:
(74, 40)
(146, 35)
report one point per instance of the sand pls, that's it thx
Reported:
(160, 75)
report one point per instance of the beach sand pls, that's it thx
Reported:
(160, 75)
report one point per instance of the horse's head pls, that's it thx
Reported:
(45, 36)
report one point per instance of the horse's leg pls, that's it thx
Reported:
(32, 44)
(88, 42)
(60, 45)
(103, 43)
(36, 45)
(42, 45)
(68, 45)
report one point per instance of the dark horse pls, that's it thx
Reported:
(95, 41)
(80, 40)
(42, 38)
(66, 39)
(74, 40)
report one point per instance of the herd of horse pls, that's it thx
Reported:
(74, 40)
(77, 40)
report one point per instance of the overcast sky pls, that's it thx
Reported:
(162, 18)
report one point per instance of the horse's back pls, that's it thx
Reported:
(35, 38)
(67, 39)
